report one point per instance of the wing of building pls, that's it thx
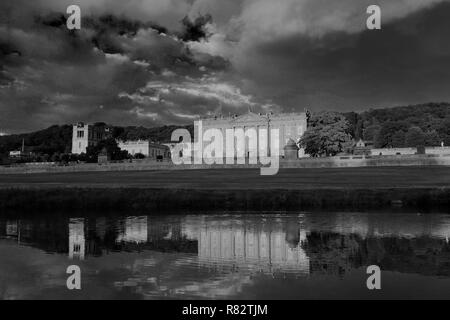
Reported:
(145, 147)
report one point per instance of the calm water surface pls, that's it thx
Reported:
(225, 256)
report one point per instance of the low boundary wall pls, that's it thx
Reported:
(330, 162)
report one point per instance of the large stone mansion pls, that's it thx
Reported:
(291, 126)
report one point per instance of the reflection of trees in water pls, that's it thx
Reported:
(49, 235)
(424, 255)
(101, 235)
(334, 253)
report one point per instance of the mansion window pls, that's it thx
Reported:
(288, 131)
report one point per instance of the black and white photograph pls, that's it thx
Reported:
(225, 155)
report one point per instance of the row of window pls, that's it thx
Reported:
(99, 135)
(153, 152)
(288, 130)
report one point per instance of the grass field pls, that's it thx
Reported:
(219, 179)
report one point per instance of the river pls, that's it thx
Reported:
(268, 255)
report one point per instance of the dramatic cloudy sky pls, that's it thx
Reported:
(132, 63)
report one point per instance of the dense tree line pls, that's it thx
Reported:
(55, 142)
(160, 134)
(331, 133)
(55, 139)
(406, 126)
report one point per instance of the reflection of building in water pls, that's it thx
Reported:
(76, 239)
(269, 249)
(135, 230)
(12, 228)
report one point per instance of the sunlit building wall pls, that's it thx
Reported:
(77, 243)
(236, 244)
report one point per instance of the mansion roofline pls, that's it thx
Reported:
(262, 115)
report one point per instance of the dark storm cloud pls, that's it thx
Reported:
(138, 62)
(52, 75)
(404, 63)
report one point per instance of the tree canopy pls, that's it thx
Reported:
(327, 134)
(386, 127)
(110, 146)
(415, 137)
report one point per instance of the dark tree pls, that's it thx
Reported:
(370, 133)
(139, 156)
(327, 135)
(432, 138)
(398, 139)
(415, 137)
(384, 137)
(111, 147)
(352, 118)
(444, 131)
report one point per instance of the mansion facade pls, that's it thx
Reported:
(291, 126)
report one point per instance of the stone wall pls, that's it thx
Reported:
(392, 151)
(408, 151)
(329, 162)
(438, 150)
